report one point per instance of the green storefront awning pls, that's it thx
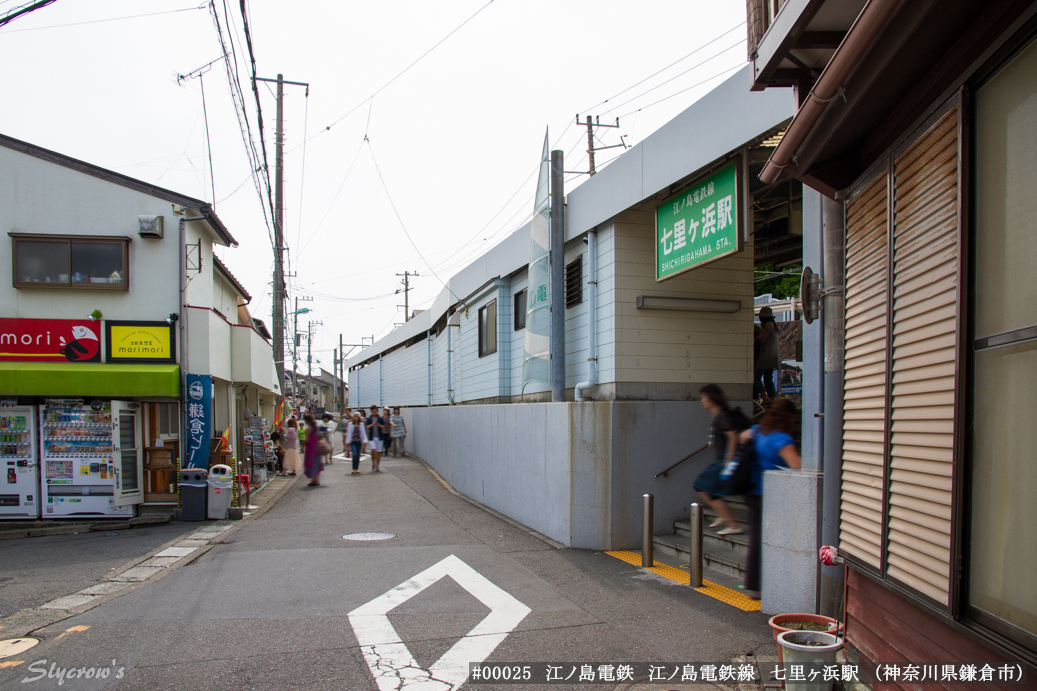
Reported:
(89, 379)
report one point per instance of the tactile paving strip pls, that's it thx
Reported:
(714, 590)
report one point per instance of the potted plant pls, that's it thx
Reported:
(809, 648)
(780, 623)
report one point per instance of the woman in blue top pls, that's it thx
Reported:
(775, 450)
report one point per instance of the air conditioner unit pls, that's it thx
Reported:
(150, 226)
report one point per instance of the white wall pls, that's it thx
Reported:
(40, 197)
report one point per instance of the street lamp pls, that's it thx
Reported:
(295, 345)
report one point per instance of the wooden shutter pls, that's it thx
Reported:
(864, 392)
(925, 271)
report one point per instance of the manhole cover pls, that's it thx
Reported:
(15, 646)
(369, 536)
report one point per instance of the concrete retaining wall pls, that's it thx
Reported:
(575, 472)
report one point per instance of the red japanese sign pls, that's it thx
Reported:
(50, 340)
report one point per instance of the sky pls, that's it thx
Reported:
(433, 170)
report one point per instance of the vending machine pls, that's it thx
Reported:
(81, 457)
(20, 486)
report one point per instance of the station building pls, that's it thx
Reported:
(638, 349)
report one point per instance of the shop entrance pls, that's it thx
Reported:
(162, 451)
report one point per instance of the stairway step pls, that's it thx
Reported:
(711, 535)
(725, 560)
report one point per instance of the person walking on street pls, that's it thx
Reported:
(725, 427)
(386, 430)
(356, 433)
(275, 439)
(343, 423)
(374, 438)
(399, 432)
(290, 442)
(312, 459)
(325, 434)
(775, 449)
(768, 360)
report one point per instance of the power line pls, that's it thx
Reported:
(302, 177)
(400, 74)
(693, 67)
(334, 199)
(99, 21)
(702, 47)
(708, 79)
(400, 219)
(238, 99)
(23, 10)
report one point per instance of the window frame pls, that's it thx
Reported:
(490, 329)
(520, 309)
(1003, 633)
(574, 275)
(67, 240)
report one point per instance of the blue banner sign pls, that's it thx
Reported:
(199, 395)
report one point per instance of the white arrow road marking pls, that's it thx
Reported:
(392, 664)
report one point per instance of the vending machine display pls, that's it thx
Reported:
(19, 486)
(77, 458)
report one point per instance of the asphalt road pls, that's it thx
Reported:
(38, 569)
(287, 602)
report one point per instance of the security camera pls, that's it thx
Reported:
(173, 318)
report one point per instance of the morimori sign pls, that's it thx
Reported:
(699, 225)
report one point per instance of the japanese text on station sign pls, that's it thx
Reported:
(699, 225)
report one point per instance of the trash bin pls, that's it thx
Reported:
(221, 489)
(192, 493)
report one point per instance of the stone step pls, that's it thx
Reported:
(725, 560)
(712, 537)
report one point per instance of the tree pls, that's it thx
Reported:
(781, 283)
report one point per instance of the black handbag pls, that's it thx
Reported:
(737, 474)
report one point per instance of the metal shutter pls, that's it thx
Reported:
(925, 275)
(864, 394)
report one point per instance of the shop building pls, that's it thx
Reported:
(98, 330)
(918, 122)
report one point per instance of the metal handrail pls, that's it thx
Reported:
(666, 473)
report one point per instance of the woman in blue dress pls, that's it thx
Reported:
(775, 450)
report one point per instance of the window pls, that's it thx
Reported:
(59, 261)
(488, 329)
(168, 420)
(520, 309)
(574, 282)
(1004, 366)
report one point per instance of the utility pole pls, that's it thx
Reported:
(279, 247)
(406, 290)
(557, 277)
(340, 385)
(591, 124)
(309, 364)
(295, 349)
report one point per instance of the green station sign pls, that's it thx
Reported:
(699, 225)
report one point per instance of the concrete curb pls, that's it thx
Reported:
(78, 527)
(27, 622)
(496, 514)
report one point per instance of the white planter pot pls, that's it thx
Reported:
(795, 652)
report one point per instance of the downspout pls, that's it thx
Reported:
(428, 340)
(182, 328)
(865, 28)
(450, 356)
(380, 403)
(592, 313)
(834, 233)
